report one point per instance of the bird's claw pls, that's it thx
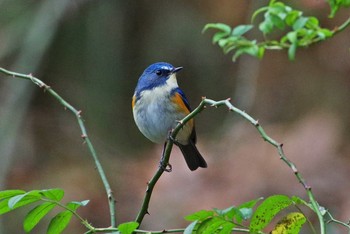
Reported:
(170, 137)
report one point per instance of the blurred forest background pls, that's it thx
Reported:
(92, 53)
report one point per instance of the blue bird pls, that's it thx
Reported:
(158, 104)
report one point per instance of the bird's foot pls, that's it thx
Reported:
(171, 138)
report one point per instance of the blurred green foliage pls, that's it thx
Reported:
(299, 31)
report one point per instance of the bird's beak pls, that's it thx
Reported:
(175, 70)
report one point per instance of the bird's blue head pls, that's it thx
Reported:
(155, 75)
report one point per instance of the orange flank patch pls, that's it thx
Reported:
(181, 106)
(133, 101)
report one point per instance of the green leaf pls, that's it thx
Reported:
(234, 213)
(324, 33)
(214, 226)
(300, 23)
(312, 23)
(223, 42)
(247, 213)
(32, 194)
(36, 214)
(277, 7)
(291, 51)
(59, 222)
(190, 228)
(226, 228)
(238, 53)
(53, 194)
(290, 224)
(10, 193)
(334, 9)
(17, 201)
(229, 42)
(261, 52)
(245, 210)
(292, 17)
(127, 228)
(252, 50)
(241, 29)
(4, 207)
(292, 37)
(257, 12)
(219, 26)
(267, 210)
(266, 26)
(229, 48)
(218, 36)
(336, 4)
(73, 205)
(299, 201)
(210, 225)
(200, 215)
(83, 203)
(277, 21)
(226, 212)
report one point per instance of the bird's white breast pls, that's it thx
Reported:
(154, 113)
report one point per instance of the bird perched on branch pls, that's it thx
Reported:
(158, 104)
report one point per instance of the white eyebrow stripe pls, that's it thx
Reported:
(165, 68)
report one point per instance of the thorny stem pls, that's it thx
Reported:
(332, 220)
(342, 26)
(165, 160)
(263, 134)
(180, 230)
(279, 148)
(84, 135)
(168, 148)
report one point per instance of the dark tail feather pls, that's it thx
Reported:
(192, 156)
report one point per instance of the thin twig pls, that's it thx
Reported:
(178, 230)
(279, 148)
(108, 230)
(83, 221)
(84, 135)
(150, 185)
(167, 151)
(333, 220)
(255, 123)
(342, 26)
(166, 155)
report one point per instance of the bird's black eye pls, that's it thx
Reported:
(159, 72)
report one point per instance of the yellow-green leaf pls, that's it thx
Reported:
(290, 224)
(267, 210)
